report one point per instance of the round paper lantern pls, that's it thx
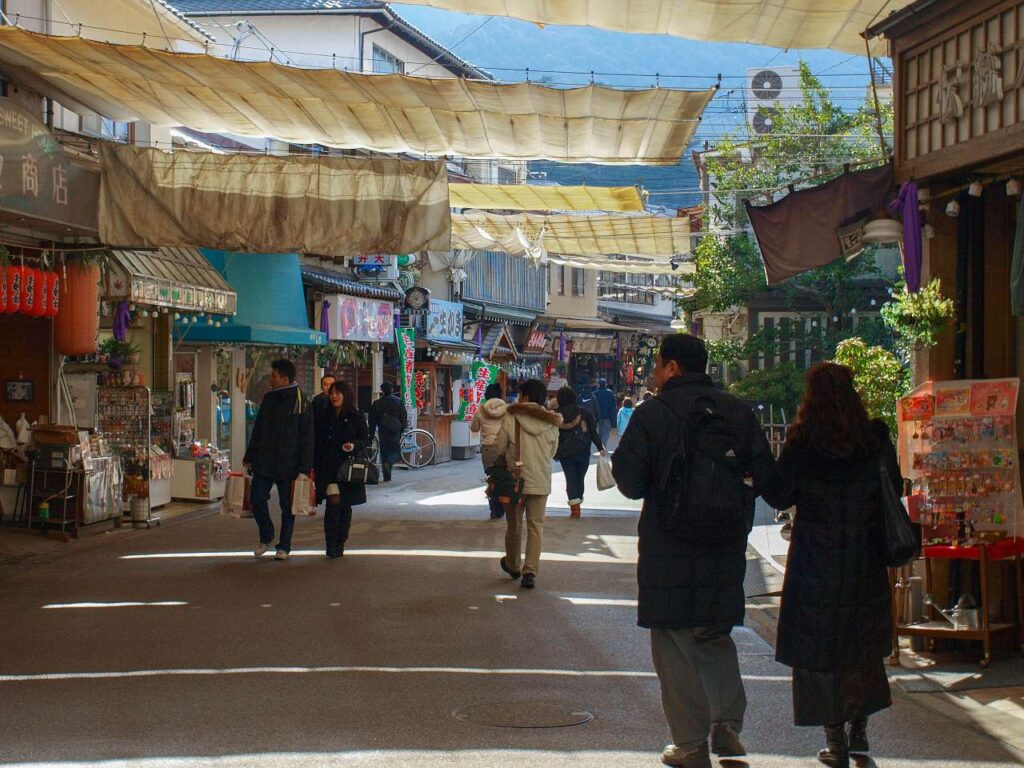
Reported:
(42, 293)
(53, 286)
(3, 290)
(15, 275)
(30, 292)
(78, 321)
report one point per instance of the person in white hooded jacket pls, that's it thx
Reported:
(532, 446)
(487, 421)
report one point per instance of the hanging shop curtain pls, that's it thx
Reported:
(835, 24)
(331, 206)
(526, 234)
(528, 197)
(813, 227)
(386, 113)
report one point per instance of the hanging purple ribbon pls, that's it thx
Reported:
(122, 319)
(561, 347)
(906, 206)
(479, 339)
(325, 324)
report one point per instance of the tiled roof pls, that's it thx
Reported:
(255, 6)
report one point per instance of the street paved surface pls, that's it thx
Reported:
(367, 661)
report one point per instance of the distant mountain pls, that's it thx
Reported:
(507, 48)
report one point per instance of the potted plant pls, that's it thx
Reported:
(119, 353)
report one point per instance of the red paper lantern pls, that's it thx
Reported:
(53, 286)
(77, 322)
(42, 294)
(3, 290)
(15, 276)
(30, 293)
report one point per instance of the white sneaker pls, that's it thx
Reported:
(694, 756)
(281, 555)
(261, 548)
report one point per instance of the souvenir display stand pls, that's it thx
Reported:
(161, 450)
(202, 476)
(958, 447)
(123, 416)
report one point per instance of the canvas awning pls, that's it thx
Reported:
(334, 206)
(337, 108)
(659, 266)
(595, 235)
(530, 197)
(175, 278)
(835, 24)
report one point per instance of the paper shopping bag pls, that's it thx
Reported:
(604, 474)
(303, 496)
(236, 502)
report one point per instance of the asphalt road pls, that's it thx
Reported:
(175, 647)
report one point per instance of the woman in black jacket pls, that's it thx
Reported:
(577, 433)
(835, 622)
(340, 433)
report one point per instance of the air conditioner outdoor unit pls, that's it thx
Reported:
(768, 89)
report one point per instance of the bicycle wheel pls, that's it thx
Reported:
(374, 450)
(418, 448)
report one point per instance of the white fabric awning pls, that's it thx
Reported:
(530, 234)
(835, 24)
(631, 266)
(530, 197)
(386, 113)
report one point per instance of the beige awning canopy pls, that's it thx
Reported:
(658, 266)
(534, 235)
(386, 113)
(835, 24)
(529, 197)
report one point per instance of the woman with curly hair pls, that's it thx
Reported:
(835, 622)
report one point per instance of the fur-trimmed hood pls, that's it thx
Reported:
(534, 418)
(494, 408)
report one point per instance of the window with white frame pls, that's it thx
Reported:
(386, 63)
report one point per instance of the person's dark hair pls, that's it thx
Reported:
(349, 404)
(687, 350)
(284, 367)
(565, 396)
(386, 388)
(831, 418)
(534, 391)
(627, 403)
(648, 395)
(327, 376)
(493, 391)
(602, 383)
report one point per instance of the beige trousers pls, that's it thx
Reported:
(533, 509)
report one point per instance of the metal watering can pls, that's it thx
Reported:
(963, 617)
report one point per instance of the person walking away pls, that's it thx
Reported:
(625, 413)
(606, 408)
(341, 434)
(279, 451)
(698, 509)
(576, 434)
(388, 420)
(487, 421)
(322, 401)
(528, 438)
(585, 398)
(835, 622)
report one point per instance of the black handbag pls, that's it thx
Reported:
(902, 537)
(358, 470)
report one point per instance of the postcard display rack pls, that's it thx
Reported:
(958, 447)
(161, 454)
(124, 419)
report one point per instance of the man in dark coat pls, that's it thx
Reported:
(690, 593)
(280, 450)
(322, 401)
(606, 409)
(388, 420)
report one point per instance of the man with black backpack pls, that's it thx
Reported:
(388, 419)
(697, 457)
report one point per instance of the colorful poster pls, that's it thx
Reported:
(916, 408)
(954, 401)
(407, 364)
(994, 398)
(353, 319)
(482, 376)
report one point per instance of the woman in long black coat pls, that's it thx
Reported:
(339, 432)
(835, 622)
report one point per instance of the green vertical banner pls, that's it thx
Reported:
(481, 376)
(407, 365)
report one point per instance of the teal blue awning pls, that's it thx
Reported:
(271, 302)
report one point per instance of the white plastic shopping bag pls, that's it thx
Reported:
(604, 473)
(303, 496)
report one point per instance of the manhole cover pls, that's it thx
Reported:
(539, 714)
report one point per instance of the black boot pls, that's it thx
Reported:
(858, 738)
(836, 753)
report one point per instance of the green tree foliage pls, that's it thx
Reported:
(781, 386)
(918, 318)
(879, 376)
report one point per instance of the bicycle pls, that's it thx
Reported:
(416, 449)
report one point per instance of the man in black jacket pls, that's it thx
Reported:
(690, 592)
(280, 450)
(388, 420)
